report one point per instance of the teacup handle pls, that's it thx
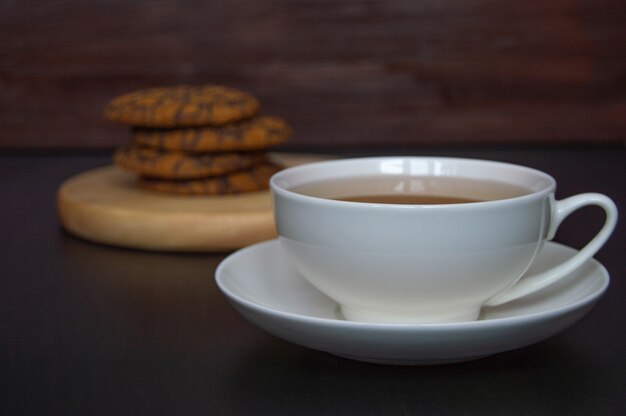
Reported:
(561, 209)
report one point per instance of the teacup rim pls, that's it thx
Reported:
(285, 192)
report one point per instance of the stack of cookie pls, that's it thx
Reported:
(207, 140)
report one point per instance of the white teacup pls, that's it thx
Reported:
(424, 263)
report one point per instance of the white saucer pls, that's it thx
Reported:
(264, 287)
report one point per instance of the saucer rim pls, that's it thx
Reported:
(454, 326)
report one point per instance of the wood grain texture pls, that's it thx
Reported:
(351, 73)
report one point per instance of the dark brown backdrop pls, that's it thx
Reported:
(342, 72)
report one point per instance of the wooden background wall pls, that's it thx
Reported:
(342, 72)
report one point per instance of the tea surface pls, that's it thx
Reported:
(408, 199)
(413, 190)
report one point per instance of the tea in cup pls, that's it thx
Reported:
(423, 239)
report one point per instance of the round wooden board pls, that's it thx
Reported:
(105, 206)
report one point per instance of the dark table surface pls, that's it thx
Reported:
(92, 329)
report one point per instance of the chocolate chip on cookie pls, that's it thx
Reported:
(182, 106)
(180, 165)
(256, 133)
(254, 179)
